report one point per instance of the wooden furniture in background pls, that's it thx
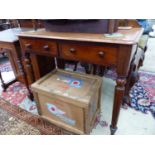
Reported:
(99, 26)
(129, 22)
(133, 75)
(4, 24)
(31, 23)
(89, 48)
(9, 44)
(138, 58)
(26, 23)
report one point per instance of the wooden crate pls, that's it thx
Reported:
(69, 100)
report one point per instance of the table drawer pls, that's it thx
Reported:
(39, 46)
(92, 54)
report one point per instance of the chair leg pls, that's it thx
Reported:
(60, 63)
(88, 68)
(145, 49)
(2, 81)
(75, 66)
(94, 69)
(102, 70)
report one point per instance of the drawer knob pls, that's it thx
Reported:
(46, 47)
(72, 50)
(28, 46)
(101, 54)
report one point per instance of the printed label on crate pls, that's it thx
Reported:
(73, 82)
(59, 113)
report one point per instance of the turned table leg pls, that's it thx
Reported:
(29, 73)
(118, 98)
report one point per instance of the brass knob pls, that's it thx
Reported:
(28, 46)
(46, 47)
(101, 54)
(72, 50)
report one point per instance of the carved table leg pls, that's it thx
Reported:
(119, 93)
(29, 73)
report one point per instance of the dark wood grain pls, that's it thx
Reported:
(39, 46)
(103, 55)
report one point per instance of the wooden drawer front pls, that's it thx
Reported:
(92, 54)
(41, 46)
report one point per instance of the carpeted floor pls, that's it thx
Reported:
(30, 123)
(143, 93)
(10, 125)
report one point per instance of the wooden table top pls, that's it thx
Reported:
(10, 35)
(129, 37)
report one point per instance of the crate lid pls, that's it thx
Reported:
(68, 84)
